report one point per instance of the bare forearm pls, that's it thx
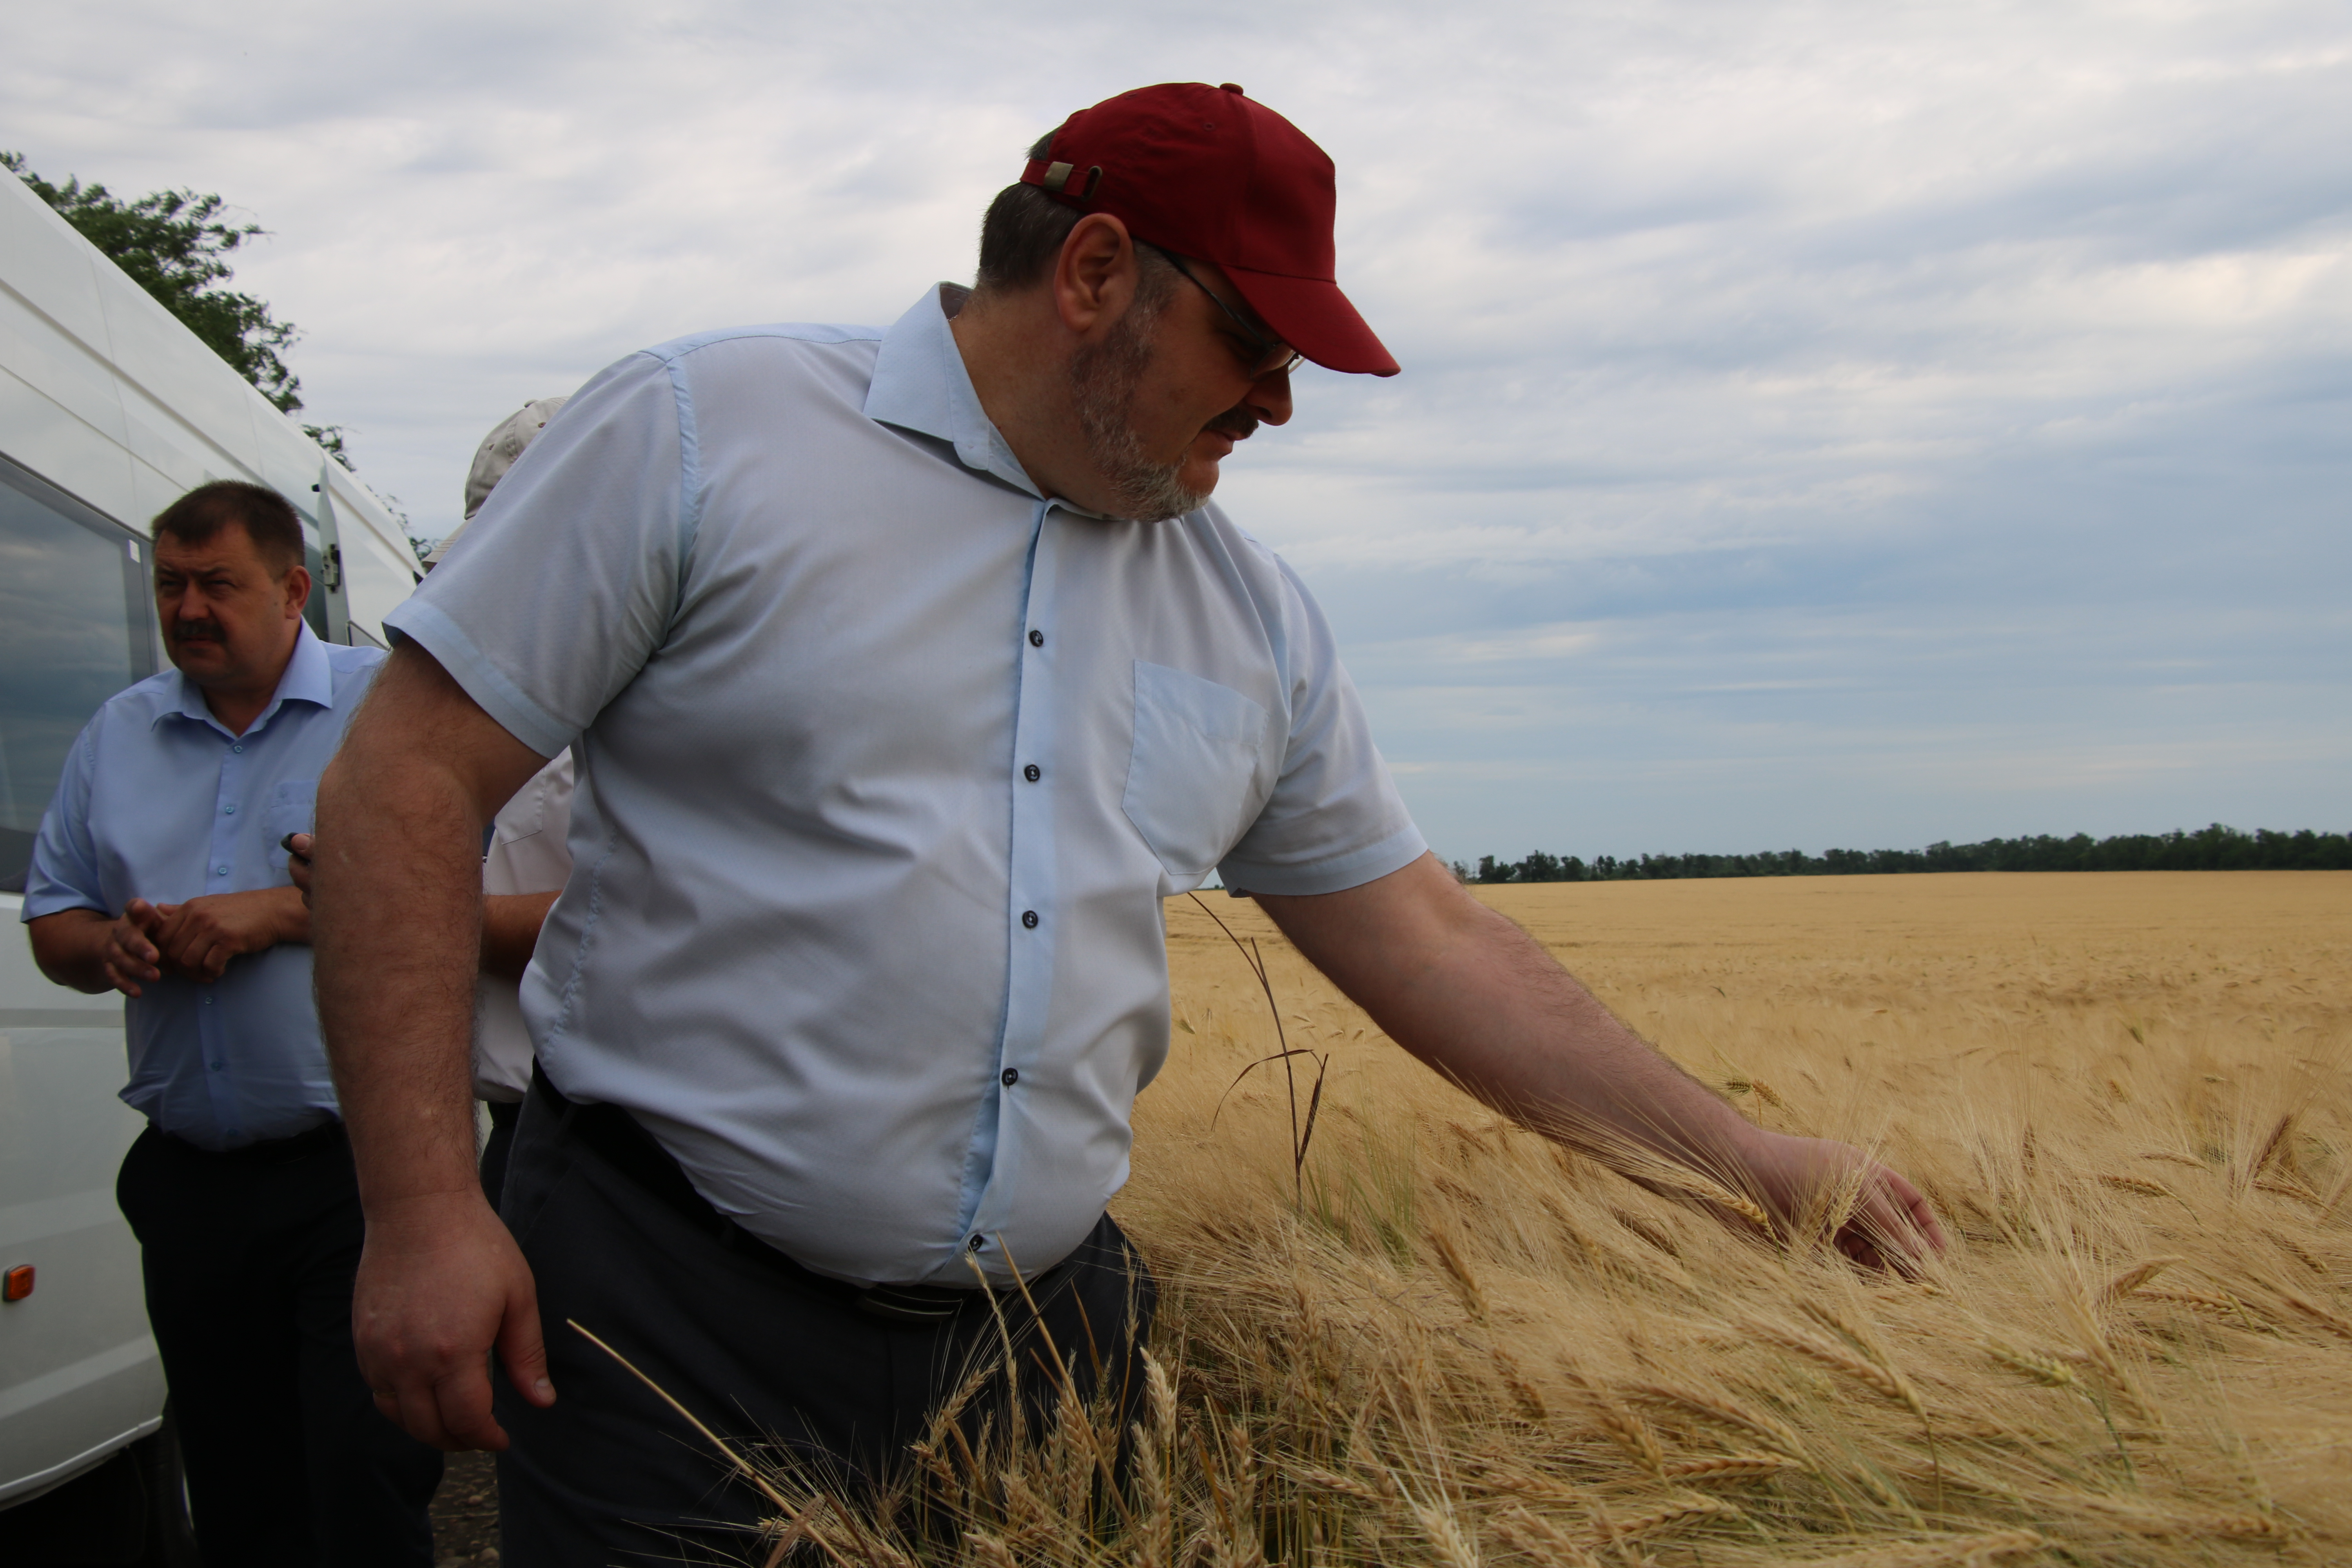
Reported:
(291, 916)
(1466, 991)
(397, 910)
(70, 947)
(510, 923)
(396, 919)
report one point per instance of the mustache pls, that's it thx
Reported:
(205, 629)
(1237, 422)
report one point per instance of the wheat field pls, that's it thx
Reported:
(1442, 1340)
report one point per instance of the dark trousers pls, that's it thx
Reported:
(504, 1113)
(769, 1356)
(249, 1258)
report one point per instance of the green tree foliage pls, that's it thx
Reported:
(174, 245)
(2213, 849)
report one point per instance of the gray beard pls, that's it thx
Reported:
(1103, 383)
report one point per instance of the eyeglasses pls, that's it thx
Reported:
(1273, 354)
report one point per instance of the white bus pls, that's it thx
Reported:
(109, 409)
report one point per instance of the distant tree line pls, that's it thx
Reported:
(2213, 849)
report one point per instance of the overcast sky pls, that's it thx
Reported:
(1829, 423)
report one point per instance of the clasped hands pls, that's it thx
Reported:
(195, 940)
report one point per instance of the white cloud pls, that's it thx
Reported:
(2034, 315)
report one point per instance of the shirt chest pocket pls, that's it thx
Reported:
(292, 808)
(1191, 779)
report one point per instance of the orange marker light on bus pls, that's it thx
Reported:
(18, 1283)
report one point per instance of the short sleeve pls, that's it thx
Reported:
(1335, 819)
(565, 583)
(64, 873)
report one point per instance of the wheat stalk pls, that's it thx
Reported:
(2299, 1192)
(1535, 1536)
(1608, 1531)
(2131, 1279)
(2227, 1306)
(2140, 1184)
(1952, 1552)
(1882, 1380)
(2047, 1371)
(1444, 1533)
(1728, 1412)
(2331, 1322)
(1727, 1468)
(2149, 1519)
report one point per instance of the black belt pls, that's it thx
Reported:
(622, 1142)
(268, 1151)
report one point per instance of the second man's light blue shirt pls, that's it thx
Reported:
(159, 802)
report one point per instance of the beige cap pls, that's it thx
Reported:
(496, 455)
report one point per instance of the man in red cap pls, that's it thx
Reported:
(908, 671)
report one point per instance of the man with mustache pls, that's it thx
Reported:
(907, 672)
(160, 872)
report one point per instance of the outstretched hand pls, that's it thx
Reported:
(1817, 1186)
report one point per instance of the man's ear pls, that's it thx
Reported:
(297, 590)
(1095, 275)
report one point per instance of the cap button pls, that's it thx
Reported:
(1229, 86)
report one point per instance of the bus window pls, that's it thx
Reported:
(76, 627)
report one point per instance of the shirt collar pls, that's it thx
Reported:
(309, 677)
(920, 384)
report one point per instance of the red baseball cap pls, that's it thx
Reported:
(1205, 172)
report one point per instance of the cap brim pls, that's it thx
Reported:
(1313, 317)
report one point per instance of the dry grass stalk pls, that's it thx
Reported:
(2271, 1147)
(2149, 1519)
(2140, 1184)
(2131, 1279)
(1951, 1551)
(2295, 1190)
(1457, 1268)
(1881, 1380)
(2047, 1371)
(1728, 1411)
(1445, 1534)
(1681, 1510)
(2334, 1323)
(1532, 1535)
(1726, 1468)
(2203, 1301)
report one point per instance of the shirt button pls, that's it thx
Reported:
(238, 748)
(1029, 918)
(220, 870)
(228, 811)
(975, 1244)
(219, 1066)
(1011, 1076)
(1032, 773)
(1036, 639)
(208, 1001)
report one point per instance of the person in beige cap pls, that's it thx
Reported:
(528, 861)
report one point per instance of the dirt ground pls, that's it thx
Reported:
(466, 1513)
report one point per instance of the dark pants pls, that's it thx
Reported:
(249, 1258)
(769, 1355)
(504, 1113)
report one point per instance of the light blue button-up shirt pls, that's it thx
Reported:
(887, 764)
(159, 802)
